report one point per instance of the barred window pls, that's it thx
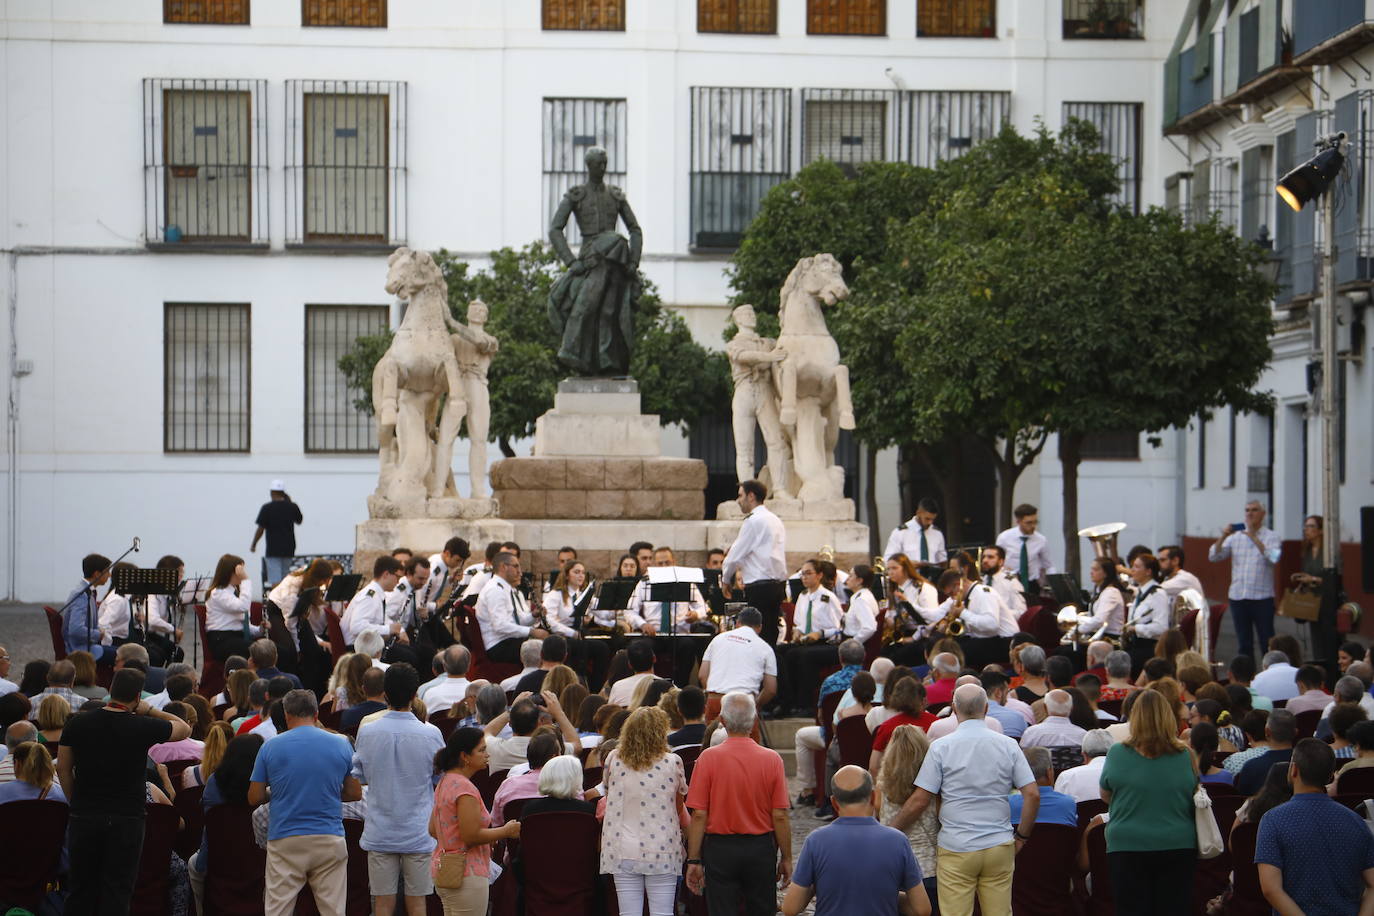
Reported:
(571, 127)
(945, 125)
(206, 377)
(333, 421)
(849, 126)
(741, 147)
(1111, 446)
(956, 18)
(1105, 19)
(346, 162)
(755, 17)
(205, 12)
(584, 15)
(1257, 191)
(205, 161)
(368, 14)
(1119, 125)
(846, 17)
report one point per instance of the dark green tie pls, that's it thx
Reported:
(1025, 563)
(808, 614)
(925, 548)
(664, 607)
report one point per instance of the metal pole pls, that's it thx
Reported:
(1331, 493)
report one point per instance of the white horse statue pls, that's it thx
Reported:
(411, 380)
(812, 384)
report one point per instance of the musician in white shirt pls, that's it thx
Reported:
(1023, 541)
(1002, 580)
(1176, 578)
(758, 558)
(403, 606)
(1109, 602)
(114, 611)
(503, 615)
(480, 579)
(816, 625)
(913, 602)
(228, 630)
(860, 620)
(367, 611)
(981, 613)
(445, 571)
(918, 537)
(685, 620)
(567, 608)
(1150, 609)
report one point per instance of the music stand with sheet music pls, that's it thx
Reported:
(614, 595)
(134, 582)
(343, 587)
(1065, 589)
(672, 585)
(715, 597)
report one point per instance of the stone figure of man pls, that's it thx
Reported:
(752, 359)
(591, 306)
(474, 348)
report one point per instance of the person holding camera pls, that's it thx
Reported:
(1253, 550)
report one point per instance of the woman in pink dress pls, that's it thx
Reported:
(461, 823)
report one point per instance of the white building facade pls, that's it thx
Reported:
(199, 197)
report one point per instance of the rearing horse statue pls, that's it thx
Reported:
(812, 383)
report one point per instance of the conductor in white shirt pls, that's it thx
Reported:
(757, 558)
(917, 537)
(503, 615)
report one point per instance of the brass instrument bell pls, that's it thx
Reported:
(1103, 538)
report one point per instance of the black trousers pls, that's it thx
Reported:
(767, 596)
(912, 654)
(684, 650)
(1141, 651)
(740, 869)
(1152, 883)
(104, 855)
(223, 643)
(800, 668)
(507, 650)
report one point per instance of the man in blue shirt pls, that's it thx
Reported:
(395, 757)
(309, 771)
(1315, 855)
(998, 685)
(81, 613)
(855, 866)
(1281, 729)
(1055, 807)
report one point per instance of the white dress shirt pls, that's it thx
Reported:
(1008, 588)
(739, 660)
(446, 693)
(982, 614)
(925, 599)
(948, 722)
(820, 609)
(1037, 549)
(440, 581)
(476, 581)
(561, 613)
(861, 620)
(1180, 582)
(644, 610)
(158, 620)
(366, 612)
(1054, 731)
(1108, 607)
(1277, 682)
(403, 605)
(114, 617)
(1082, 783)
(906, 538)
(757, 553)
(225, 608)
(502, 613)
(1150, 610)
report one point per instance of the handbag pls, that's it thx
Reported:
(1209, 842)
(1300, 605)
(449, 875)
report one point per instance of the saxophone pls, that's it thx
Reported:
(951, 624)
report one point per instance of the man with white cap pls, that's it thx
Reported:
(277, 519)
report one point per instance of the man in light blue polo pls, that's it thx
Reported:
(394, 756)
(972, 771)
(855, 866)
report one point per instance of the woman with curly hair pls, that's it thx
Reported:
(906, 751)
(641, 838)
(346, 687)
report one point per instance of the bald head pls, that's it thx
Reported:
(882, 666)
(20, 732)
(970, 702)
(946, 663)
(852, 790)
(1058, 703)
(1362, 670)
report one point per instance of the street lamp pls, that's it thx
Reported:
(1273, 264)
(1312, 181)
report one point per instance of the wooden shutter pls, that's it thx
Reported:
(585, 15)
(755, 17)
(205, 12)
(846, 17)
(956, 18)
(354, 13)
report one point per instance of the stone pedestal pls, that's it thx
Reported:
(596, 418)
(812, 510)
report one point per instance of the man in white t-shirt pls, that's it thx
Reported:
(1081, 783)
(454, 687)
(640, 655)
(739, 659)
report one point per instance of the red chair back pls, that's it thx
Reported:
(188, 808)
(1247, 899)
(28, 866)
(1087, 810)
(237, 866)
(785, 610)
(1359, 781)
(174, 770)
(445, 722)
(565, 847)
(337, 647)
(825, 712)
(1043, 879)
(1101, 902)
(1112, 707)
(496, 672)
(211, 669)
(153, 882)
(487, 783)
(59, 645)
(856, 741)
(1307, 722)
(874, 644)
(689, 757)
(1218, 789)
(592, 776)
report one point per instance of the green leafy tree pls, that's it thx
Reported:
(680, 380)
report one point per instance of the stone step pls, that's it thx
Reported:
(781, 735)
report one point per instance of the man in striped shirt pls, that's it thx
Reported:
(1253, 551)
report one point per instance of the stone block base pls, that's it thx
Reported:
(450, 508)
(600, 488)
(819, 510)
(597, 417)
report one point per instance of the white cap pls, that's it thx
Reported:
(279, 485)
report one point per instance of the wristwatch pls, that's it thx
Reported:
(1017, 834)
(692, 862)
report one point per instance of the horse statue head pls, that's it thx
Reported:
(409, 272)
(819, 278)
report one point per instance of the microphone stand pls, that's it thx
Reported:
(132, 549)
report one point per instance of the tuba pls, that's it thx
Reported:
(1103, 538)
(1190, 599)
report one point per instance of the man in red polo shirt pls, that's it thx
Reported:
(739, 808)
(945, 669)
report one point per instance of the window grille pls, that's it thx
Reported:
(333, 421)
(1257, 191)
(205, 161)
(956, 18)
(850, 126)
(571, 127)
(945, 125)
(1100, 19)
(1178, 194)
(585, 15)
(206, 377)
(1225, 181)
(366, 14)
(346, 162)
(1119, 125)
(741, 147)
(1114, 446)
(205, 12)
(846, 17)
(753, 17)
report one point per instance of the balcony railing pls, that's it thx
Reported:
(956, 18)
(1330, 28)
(1104, 19)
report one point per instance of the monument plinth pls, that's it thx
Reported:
(596, 417)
